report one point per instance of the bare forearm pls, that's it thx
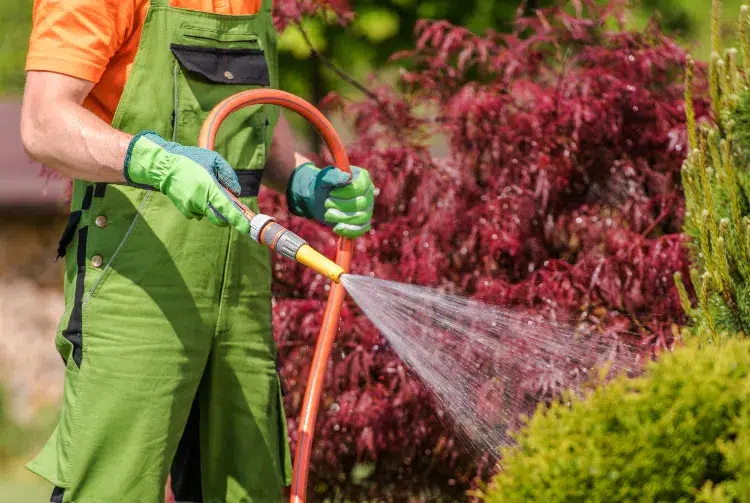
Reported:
(60, 133)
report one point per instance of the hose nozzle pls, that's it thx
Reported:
(264, 229)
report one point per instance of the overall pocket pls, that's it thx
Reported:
(209, 70)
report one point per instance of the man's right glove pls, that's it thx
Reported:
(196, 180)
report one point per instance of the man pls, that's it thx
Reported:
(167, 329)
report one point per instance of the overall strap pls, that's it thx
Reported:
(159, 3)
(265, 6)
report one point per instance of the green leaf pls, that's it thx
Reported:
(291, 40)
(362, 471)
(377, 23)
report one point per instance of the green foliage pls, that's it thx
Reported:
(679, 433)
(15, 28)
(10, 434)
(717, 192)
(20, 440)
(380, 29)
(686, 19)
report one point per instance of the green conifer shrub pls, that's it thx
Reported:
(679, 433)
(716, 180)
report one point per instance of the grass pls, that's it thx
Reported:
(15, 492)
(18, 444)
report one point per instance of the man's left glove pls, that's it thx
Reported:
(333, 197)
(196, 180)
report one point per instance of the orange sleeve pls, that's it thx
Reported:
(78, 37)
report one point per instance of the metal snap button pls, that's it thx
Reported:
(229, 75)
(97, 261)
(101, 221)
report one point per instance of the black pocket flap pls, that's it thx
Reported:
(224, 66)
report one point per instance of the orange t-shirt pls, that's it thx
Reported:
(96, 40)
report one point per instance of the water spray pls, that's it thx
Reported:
(265, 230)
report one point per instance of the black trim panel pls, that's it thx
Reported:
(68, 233)
(99, 189)
(74, 332)
(73, 220)
(186, 464)
(249, 182)
(58, 493)
(86, 204)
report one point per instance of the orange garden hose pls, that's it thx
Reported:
(305, 255)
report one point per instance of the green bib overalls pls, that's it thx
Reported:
(164, 313)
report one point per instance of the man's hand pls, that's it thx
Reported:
(333, 197)
(198, 181)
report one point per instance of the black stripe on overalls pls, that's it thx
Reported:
(58, 493)
(99, 189)
(249, 181)
(74, 218)
(74, 332)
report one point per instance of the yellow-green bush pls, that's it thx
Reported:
(679, 433)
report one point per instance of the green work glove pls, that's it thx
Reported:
(198, 181)
(333, 197)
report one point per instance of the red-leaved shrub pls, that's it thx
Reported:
(538, 169)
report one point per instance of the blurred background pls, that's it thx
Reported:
(33, 206)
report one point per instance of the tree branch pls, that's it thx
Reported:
(338, 71)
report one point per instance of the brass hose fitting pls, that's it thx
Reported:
(265, 230)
